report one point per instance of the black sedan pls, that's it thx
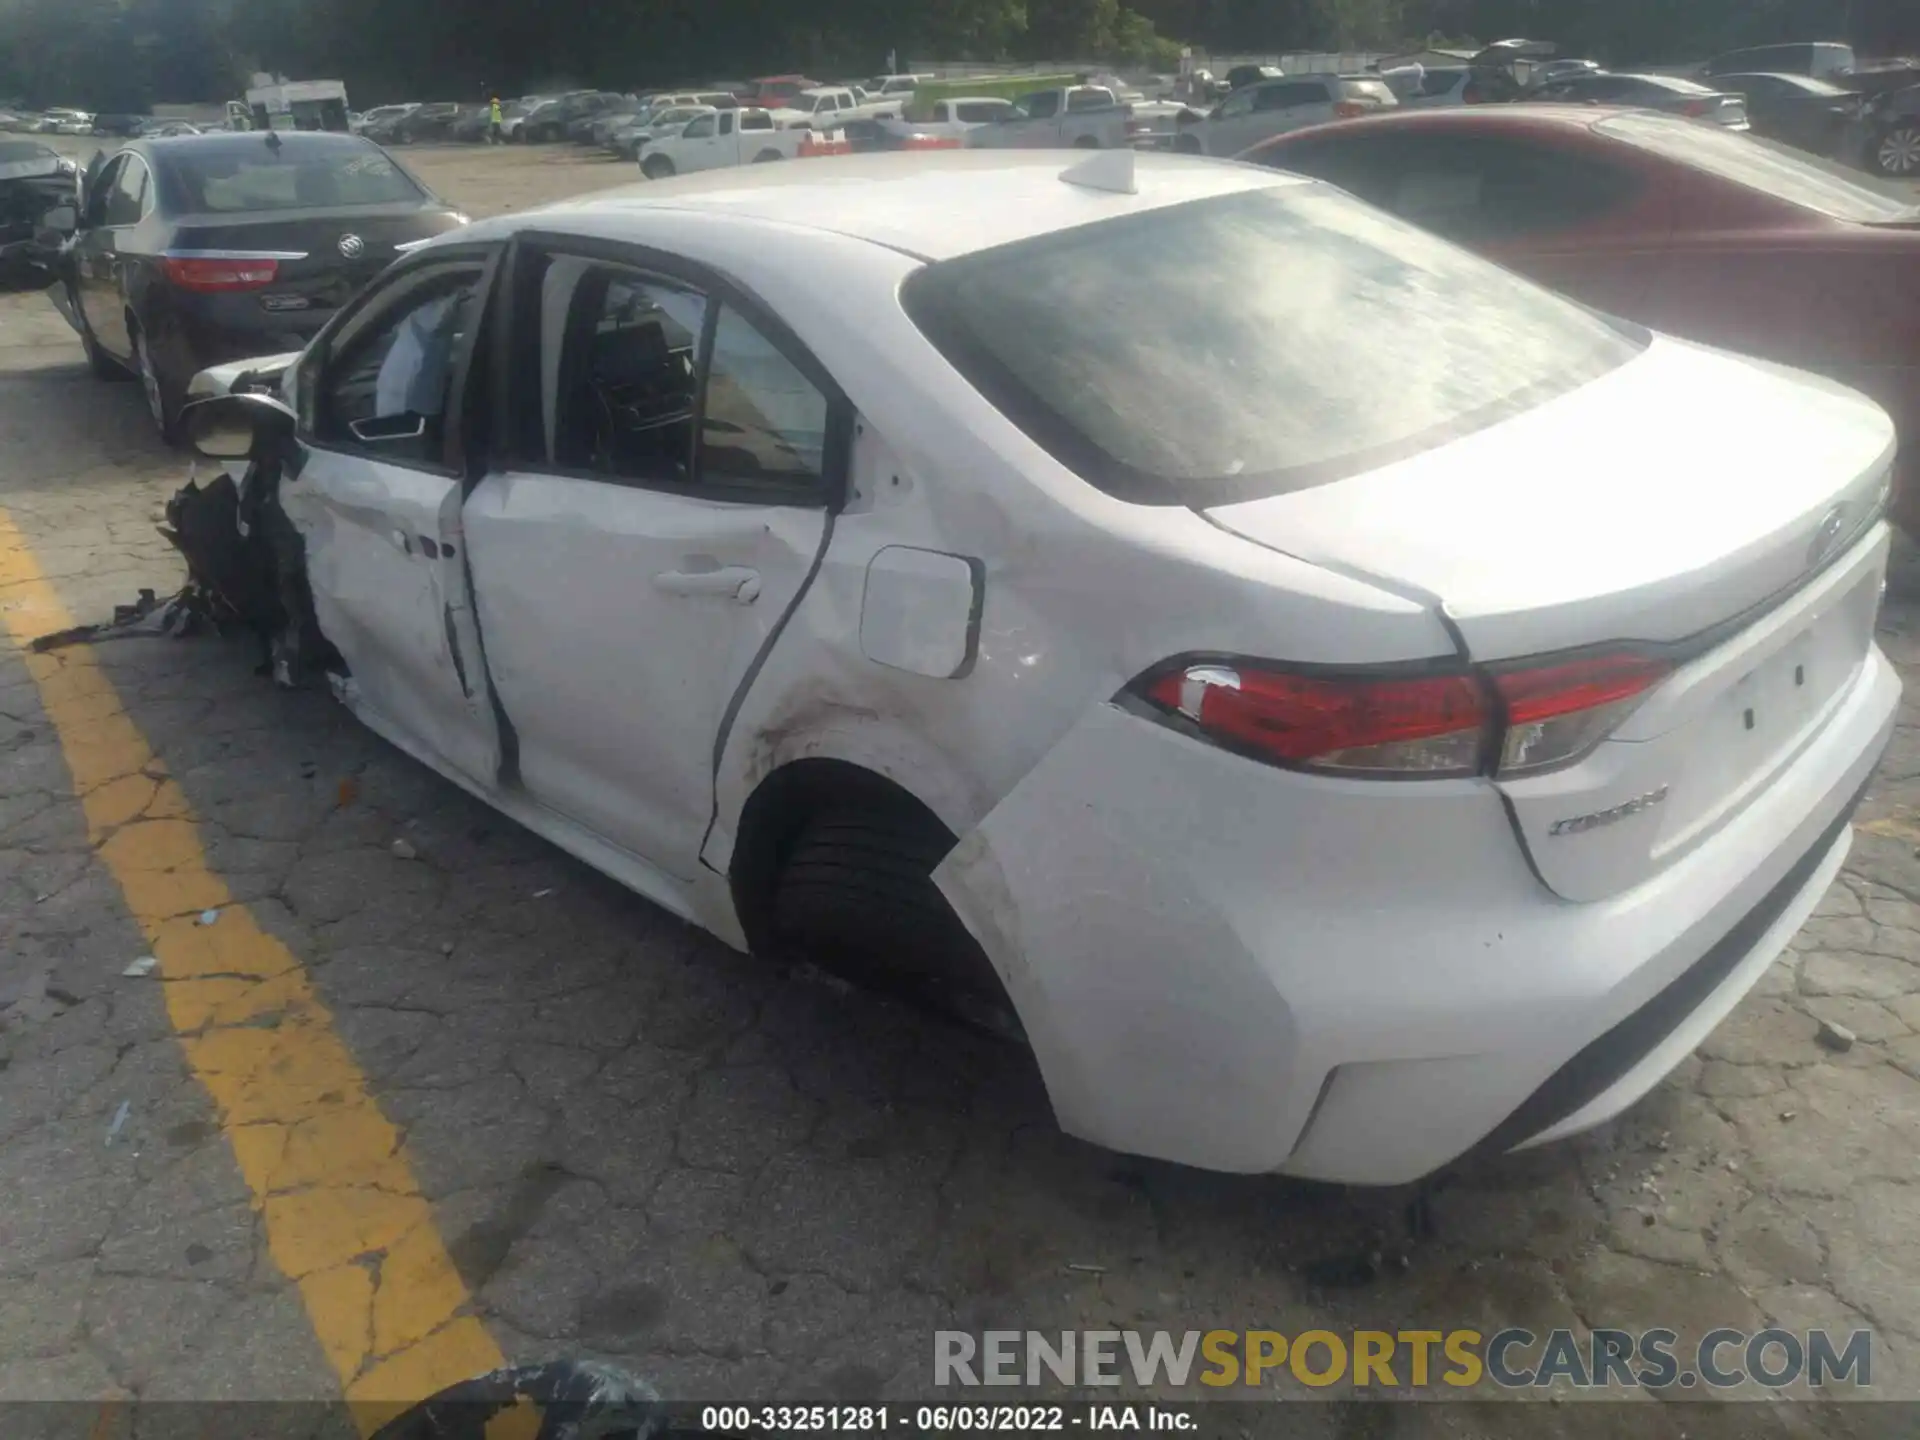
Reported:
(202, 249)
(1796, 110)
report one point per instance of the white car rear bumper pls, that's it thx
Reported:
(1249, 969)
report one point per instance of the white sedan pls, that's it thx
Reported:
(1353, 706)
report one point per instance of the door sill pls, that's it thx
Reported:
(588, 846)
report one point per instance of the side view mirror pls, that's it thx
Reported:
(233, 427)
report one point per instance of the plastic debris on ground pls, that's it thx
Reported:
(119, 1119)
(143, 966)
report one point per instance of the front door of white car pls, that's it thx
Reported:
(376, 496)
(700, 144)
(660, 507)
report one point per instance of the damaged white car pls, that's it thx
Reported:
(1136, 591)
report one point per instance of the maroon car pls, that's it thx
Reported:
(1687, 228)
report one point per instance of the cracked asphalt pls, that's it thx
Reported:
(634, 1144)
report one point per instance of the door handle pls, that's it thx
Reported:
(736, 581)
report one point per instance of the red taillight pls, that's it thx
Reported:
(1347, 109)
(1526, 718)
(1556, 713)
(1696, 108)
(1427, 725)
(227, 273)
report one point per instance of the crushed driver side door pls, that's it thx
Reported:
(377, 497)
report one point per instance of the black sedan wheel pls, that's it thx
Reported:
(162, 402)
(656, 167)
(1898, 151)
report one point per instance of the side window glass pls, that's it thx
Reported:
(1043, 105)
(622, 393)
(764, 421)
(128, 192)
(103, 186)
(699, 129)
(726, 122)
(1237, 104)
(389, 390)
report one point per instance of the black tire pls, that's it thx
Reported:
(1086, 142)
(856, 897)
(656, 167)
(766, 157)
(164, 395)
(1187, 145)
(103, 365)
(1896, 152)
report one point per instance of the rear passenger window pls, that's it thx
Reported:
(765, 422)
(619, 364)
(643, 380)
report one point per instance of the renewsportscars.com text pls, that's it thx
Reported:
(1512, 1359)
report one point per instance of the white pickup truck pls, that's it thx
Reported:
(830, 106)
(718, 139)
(1083, 117)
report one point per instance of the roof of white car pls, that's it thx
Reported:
(931, 204)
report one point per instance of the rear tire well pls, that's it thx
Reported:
(779, 810)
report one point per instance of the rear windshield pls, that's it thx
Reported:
(1251, 344)
(1774, 169)
(223, 180)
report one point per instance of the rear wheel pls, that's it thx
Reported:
(1086, 142)
(856, 898)
(656, 167)
(163, 404)
(1898, 151)
(1186, 145)
(767, 155)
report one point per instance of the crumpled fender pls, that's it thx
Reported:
(1147, 1013)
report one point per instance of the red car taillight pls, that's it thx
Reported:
(1348, 109)
(1517, 721)
(209, 276)
(1556, 713)
(1697, 108)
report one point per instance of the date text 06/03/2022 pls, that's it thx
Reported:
(922, 1419)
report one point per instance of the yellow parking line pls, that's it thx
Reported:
(344, 1216)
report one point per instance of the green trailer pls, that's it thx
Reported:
(997, 87)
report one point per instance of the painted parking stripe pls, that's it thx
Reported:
(344, 1216)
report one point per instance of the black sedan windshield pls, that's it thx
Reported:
(228, 178)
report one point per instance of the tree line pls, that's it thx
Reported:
(124, 55)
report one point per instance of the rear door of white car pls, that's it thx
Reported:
(668, 458)
(376, 497)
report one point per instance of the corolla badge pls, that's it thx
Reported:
(351, 246)
(1826, 538)
(1576, 824)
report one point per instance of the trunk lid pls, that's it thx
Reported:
(1688, 496)
(1682, 488)
(327, 276)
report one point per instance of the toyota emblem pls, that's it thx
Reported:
(1826, 538)
(351, 246)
